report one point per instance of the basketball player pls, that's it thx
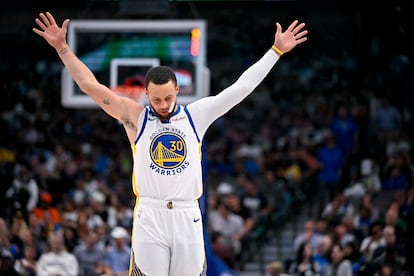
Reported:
(167, 233)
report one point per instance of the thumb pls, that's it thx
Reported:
(65, 23)
(278, 31)
(278, 27)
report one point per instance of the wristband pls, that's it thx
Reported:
(277, 50)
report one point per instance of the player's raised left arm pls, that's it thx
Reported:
(216, 106)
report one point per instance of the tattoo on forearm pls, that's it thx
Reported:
(106, 101)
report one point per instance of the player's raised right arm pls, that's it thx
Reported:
(121, 108)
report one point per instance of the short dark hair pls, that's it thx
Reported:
(160, 75)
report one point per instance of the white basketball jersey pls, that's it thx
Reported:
(167, 157)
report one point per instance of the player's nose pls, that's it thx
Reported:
(164, 104)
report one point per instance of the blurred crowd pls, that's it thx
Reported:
(312, 132)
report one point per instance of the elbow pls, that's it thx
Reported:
(245, 86)
(86, 86)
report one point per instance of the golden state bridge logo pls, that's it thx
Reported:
(168, 150)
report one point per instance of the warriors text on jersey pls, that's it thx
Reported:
(167, 157)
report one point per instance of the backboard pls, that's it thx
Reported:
(119, 52)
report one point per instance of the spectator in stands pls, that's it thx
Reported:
(386, 121)
(310, 168)
(24, 192)
(47, 214)
(386, 270)
(331, 160)
(345, 129)
(89, 254)
(392, 252)
(69, 212)
(27, 265)
(116, 261)
(348, 221)
(337, 209)
(277, 189)
(341, 235)
(82, 226)
(275, 268)
(369, 181)
(308, 235)
(18, 230)
(57, 260)
(233, 202)
(322, 226)
(40, 237)
(397, 173)
(93, 220)
(321, 255)
(338, 263)
(119, 213)
(304, 264)
(393, 218)
(256, 201)
(70, 237)
(371, 242)
(98, 207)
(366, 214)
(8, 243)
(249, 155)
(247, 237)
(351, 252)
(398, 145)
(229, 225)
(222, 250)
(7, 263)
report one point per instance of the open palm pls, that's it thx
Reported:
(50, 31)
(288, 39)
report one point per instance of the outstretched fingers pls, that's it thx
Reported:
(300, 40)
(45, 20)
(301, 34)
(292, 26)
(298, 28)
(51, 18)
(40, 24)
